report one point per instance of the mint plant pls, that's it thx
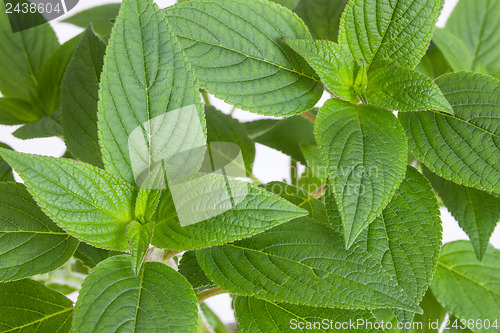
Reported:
(146, 216)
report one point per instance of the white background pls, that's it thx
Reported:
(269, 164)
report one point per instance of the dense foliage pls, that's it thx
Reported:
(146, 216)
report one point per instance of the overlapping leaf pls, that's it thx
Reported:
(476, 24)
(236, 50)
(405, 239)
(477, 212)
(79, 94)
(388, 33)
(100, 17)
(467, 288)
(402, 89)
(258, 210)
(29, 306)
(335, 66)
(303, 262)
(365, 154)
(5, 169)
(145, 76)
(112, 298)
(87, 202)
(191, 270)
(463, 148)
(255, 315)
(30, 243)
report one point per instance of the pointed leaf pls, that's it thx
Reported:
(87, 202)
(50, 76)
(255, 315)
(236, 50)
(433, 313)
(15, 111)
(303, 262)
(100, 17)
(113, 299)
(476, 24)
(29, 306)
(477, 212)
(454, 50)
(30, 243)
(364, 150)
(79, 94)
(402, 89)
(43, 128)
(406, 237)
(139, 237)
(145, 77)
(335, 66)
(257, 210)
(388, 33)
(22, 55)
(322, 17)
(459, 277)
(461, 148)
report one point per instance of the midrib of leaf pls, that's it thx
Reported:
(291, 70)
(451, 269)
(38, 255)
(39, 320)
(139, 298)
(32, 232)
(28, 61)
(304, 265)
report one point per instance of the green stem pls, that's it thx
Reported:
(294, 172)
(206, 98)
(309, 116)
(210, 293)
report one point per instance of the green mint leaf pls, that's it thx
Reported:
(224, 128)
(255, 315)
(144, 80)
(322, 17)
(299, 197)
(461, 148)
(43, 128)
(90, 256)
(476, 24)
(5, 169)
(50, 76)
(303, 262)
(454, 50)
(257, 210)
(477, 212)
(258, 73)
(285, 135)
(388, 33)
(191, 270)
(30, 243)
(365, 152)
(79, 95)
(412, 214)
(335, 66)
(112, 298)
(87, 202)
(139, 237)
(402, 89)
(22, 55)
(15, 111)
(100, 17)
(30, 306)
(459, 276)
